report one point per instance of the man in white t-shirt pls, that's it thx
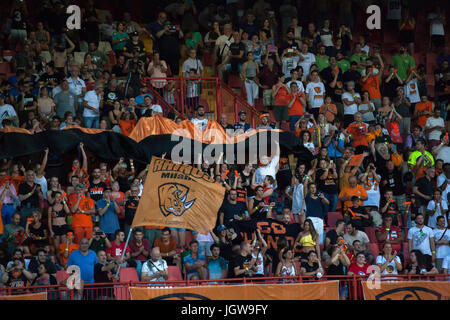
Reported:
(441, 240)
(269, 166)
(7, 111)
(421, 238)
(434, 127)
(306, 60)
(350, 99)
(436, 207)
(155, 269)
(201, 120)
(289, 61)
(92, 103)
(294, 78)
(315, 94)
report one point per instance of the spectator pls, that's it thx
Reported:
(104, 273)
(139, 249)
(217, 265)
(360, 267)
(167, 245)
(423, 110)
(315, 93)
(296, 105)
(388, 261)
(99, 59)
(119, 38)
(241, 126)
(436, 208)
(36, 262)
(195, 263)
(98, 241)
(85, 259)
(437, 30)
(244, 263)
(441, 240)
(93, 101)
(248, 72)
(423, 188)
(134, 47)
(389, 233)
(8, 112)
(308, 240)
(65, 101)
(155, 269)
(116, 251)
(30, 193)
(107, 209)
(351, 99)
(419, 264)
(82, 209)
(403, 62)
(421, 238)
(434, 127)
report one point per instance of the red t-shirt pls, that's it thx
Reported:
(116, 250)
(135, 248)
(394, 132)
(394, 234)
(357, 270)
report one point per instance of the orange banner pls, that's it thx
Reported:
(410, 290)
(178, 196)
(299, 291)
(32, 296)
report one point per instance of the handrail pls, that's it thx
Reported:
(160, 98)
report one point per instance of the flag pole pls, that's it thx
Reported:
(124, 249)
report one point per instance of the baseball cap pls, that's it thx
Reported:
(80, 185)
(242, 112)
(221, 227)
(135, 33)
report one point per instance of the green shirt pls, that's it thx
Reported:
(362, 57)
(99, 58)
(197, 38)
(119, 36)
(344, 65)
(402, 64)
(322, 62)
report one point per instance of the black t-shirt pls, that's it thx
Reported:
(392, 207)
(394, 181)
(118, 71)
(242, 262)
(425, 187)
(353, 75)
(329, 185)
(332, 235)
(261, 213)
(308, 268)
(97, 245)
(38, 232)
(17, 280)
(389, 89)
(230, 210)
(134, 47)
(124, 184)
(111, 96)
(235, 49)
(56, 77)
(338, 90)
(96, 190)
(33, 200)
(33, 267)
(226, 251)
(336, 270)
(130, 210)
(101, 276)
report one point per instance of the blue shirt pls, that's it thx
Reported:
(86, 264)
(332, 150)
(239, 126)
(189, 259)
(216, 267)
(109, 222)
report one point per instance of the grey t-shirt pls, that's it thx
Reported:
(64, 102)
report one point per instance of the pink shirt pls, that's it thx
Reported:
(9, 198)
(157, 73)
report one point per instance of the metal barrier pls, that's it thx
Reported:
(183, 95)
(349, 286)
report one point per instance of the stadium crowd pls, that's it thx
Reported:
(376, 193)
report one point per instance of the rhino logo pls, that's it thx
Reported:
(172, 199)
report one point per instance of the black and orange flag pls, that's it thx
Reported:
(178, 196)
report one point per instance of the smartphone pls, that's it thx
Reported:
(128, 109)
(290, 50)
(98, 233)
(272, 48)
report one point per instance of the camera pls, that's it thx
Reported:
(98, 233)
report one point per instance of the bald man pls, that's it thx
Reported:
(155, 269)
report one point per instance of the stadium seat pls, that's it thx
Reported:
(5, 68)
(61, 275)
(8, 55)
(374, 249)
(370, 231)
(128, 274)
(174, 273)
(332, 218)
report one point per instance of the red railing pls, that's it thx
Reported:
(348, 286)
(183, 95)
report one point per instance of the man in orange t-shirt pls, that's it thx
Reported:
(358, 131)
(371, 82)
(329, 110)
(424, 110)
(296, 103)
(82, 209)
(350, 190)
